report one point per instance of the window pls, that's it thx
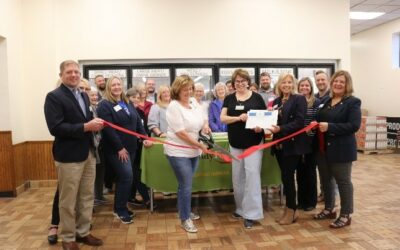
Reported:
(200, 75)
(275, 72)
(161, 76)
(107, 73)
(225, 74)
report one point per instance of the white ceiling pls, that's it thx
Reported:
(390, 7)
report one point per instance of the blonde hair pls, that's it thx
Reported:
(311, 100)
(161, 89)
(85, 84)
(179, 83)
(348, 91)
(282, 77)
(107, 93)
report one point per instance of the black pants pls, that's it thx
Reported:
(288, 165)
(306, 176)
(100, 171)
(138, 185)
(55, 213)
(109, 174)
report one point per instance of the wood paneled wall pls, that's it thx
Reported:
(20, 163)
(7, 178)
(24, 162)
(40, 161)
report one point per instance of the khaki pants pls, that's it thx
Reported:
(76, 187)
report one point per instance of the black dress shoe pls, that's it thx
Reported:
(310, 208)
(52, 238)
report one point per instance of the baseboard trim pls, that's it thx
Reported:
(43, 183)
(29, 185)
(22, 188)
(6, 194)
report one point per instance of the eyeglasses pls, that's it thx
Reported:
(241, 81)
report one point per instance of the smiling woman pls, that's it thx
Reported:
(120, 148)
(245, 172)
(292, 111)
(339, 119)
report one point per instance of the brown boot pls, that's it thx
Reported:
(290, 217)
(282, 216)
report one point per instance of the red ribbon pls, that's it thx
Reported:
(255, 148)
(224, 157)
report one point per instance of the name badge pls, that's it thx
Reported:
(117, 108)
(321, 105)
(239, 107)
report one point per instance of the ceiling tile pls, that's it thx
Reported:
(390, 16)
(379, 2)
(364, 7)
(354, 2)
(387, 8)
(354, 22)
(395, 11)
(394, 2)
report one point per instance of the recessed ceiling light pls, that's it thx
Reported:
(359, 15)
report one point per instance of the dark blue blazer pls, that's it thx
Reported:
(293, 113)
(65, 119)
(114, 140)
(343, 121)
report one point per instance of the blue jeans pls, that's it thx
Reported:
(123, 182)
(184, 169)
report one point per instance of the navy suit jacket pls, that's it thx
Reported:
(343, 121)
(65, 119)
(114, 140)
(293, 113)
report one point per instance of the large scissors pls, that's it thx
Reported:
(209, 142)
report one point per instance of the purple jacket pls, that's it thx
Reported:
(214, 117)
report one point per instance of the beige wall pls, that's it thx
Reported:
(150, 29)
(376, 81)
(12, 94)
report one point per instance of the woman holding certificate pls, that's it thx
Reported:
(292, 110)
(246, 172)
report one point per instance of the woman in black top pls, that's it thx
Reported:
(306, 173)
(245, 172)
(339, 118)
(292, 111)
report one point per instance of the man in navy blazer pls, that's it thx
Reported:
(71, 123)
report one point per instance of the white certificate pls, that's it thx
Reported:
(261, 118)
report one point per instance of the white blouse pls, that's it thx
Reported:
(181, 118)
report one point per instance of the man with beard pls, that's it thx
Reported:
(322, 82)
(151, 91)
(265, 90)
(100, 82)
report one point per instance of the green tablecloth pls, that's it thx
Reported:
(211, 174)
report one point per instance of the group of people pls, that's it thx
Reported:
(178, 112)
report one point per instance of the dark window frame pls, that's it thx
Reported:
(215, 68)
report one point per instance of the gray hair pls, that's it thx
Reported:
(94, 89)
(219, 84)
(197, 84)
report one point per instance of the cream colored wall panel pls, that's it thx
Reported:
(376, 81)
